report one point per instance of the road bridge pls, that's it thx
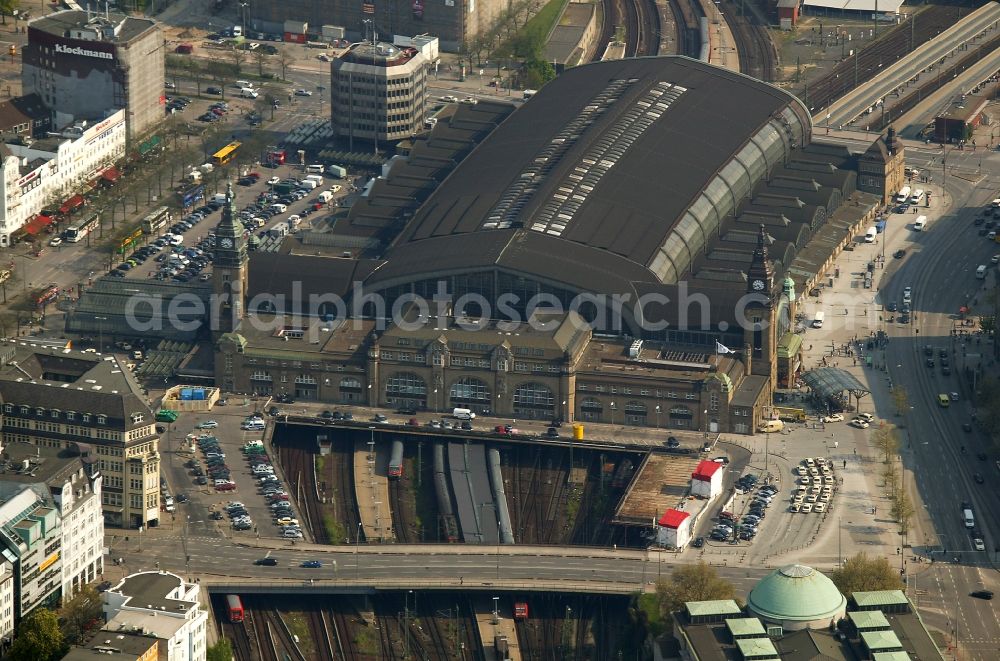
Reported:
(978, 25)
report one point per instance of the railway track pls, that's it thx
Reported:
(757, 55)
(321, 630)
(298, 465)
(871, 59)
(399, 527)
(640, 21)
(239, 634)
(687, 16)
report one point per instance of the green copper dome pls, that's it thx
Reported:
(797, 593)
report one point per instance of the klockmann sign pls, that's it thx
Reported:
(86, 52)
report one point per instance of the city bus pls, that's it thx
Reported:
(226, 154)
(156, 220)
(81, 228)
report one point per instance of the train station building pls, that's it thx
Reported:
(559, 259)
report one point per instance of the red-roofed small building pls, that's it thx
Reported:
(674, 529)
(706, 480)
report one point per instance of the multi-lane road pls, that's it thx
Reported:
(940, 267)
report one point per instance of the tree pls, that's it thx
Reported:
(284, 61)
(81, 614)
(891, 478)
(698, 582)
(537, 72)
(258, 56)
(7, 8)
(861, 573)
(222, 650)
(38, 638)
(239, 56)
(900, 398)
(902, 509)
(886, 440)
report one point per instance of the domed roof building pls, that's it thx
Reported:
(797, 597)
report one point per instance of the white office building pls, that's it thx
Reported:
(53, 520)
(49, 171)
(6, 600)
(160, 604)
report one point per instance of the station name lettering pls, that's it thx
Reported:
(86, 52)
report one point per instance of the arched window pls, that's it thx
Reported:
(407, 384)
(470, 389)
(533, 395)
(680, 417)
(635, 413)
(591, 409)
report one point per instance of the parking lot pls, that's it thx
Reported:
(222, 476)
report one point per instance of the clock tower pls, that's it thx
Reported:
(229, 269)
(760, 332)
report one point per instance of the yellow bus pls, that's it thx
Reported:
(226, 154)
(944, 400)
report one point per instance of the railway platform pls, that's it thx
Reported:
(722, 46)
(492, 627)
(371, 492)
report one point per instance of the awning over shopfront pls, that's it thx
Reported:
(72, 203)
(111, 175)
(37, 224)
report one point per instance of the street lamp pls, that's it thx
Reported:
(357, 559)
(657, 416)
(496, 610)
(612, 407)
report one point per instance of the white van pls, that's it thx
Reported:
(463, 414)
(253, 425)
(920, 223)
(318, 178)
(243, 83)
(325, 196)
(917, 197)
(771, 426)
(970, 521)
(903, 195)
(818, 319)
(318, 169)
(249, 93)
(871, 235)
(981, 272)
(308, 184)
(277, 207)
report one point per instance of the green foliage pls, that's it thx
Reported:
(222, 650)
(861, 573)
(649, 606)
(536, 73)
(7, 8)
(38, 638)
(530, 41)
(81, 615)
(698, 582)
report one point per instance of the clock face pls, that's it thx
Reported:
(758, 285)
(228, 243)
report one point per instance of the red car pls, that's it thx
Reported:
(226, 487)
(254, 175)
(413, 422)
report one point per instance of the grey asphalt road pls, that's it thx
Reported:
(940, 266)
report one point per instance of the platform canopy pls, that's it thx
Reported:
(833, 381)
(869, 6)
